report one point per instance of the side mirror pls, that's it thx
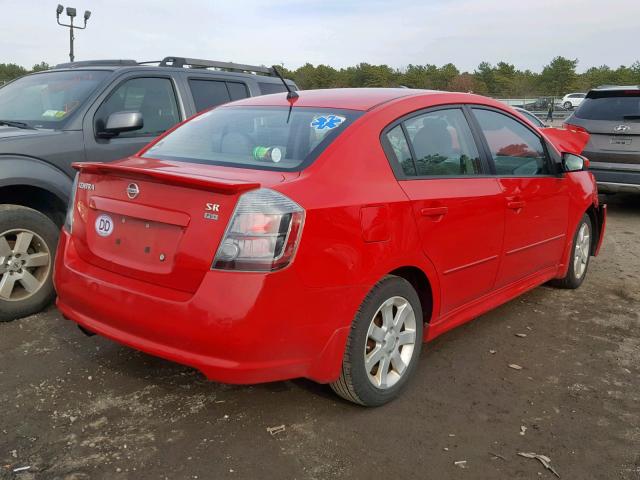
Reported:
(120, 122)
(574, 163)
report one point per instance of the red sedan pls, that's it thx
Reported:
(325, 236)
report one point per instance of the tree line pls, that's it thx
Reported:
(502, 80)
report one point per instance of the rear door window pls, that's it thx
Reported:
(515, 150)
(237, 91)
(437, 143)
(267, 88)
(208, 93)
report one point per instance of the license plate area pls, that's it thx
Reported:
(620, 141)
(136, 243)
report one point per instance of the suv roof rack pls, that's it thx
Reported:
(98, 63)
(182, 62)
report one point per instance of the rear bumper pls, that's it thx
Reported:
(614, 178)
(237, 328)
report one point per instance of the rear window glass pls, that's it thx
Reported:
(610, 106)
(270, 138)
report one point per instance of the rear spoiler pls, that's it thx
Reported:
(571, 141)
(202, 182)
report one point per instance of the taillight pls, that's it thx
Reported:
(68, 221)
(575, 128)
(263, 233)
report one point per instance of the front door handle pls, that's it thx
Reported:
(438, 212)
(516, 204)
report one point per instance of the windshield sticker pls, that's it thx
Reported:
(54, 113)
(327, 122)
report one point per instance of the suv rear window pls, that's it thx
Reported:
(267, 138)
(610, 105)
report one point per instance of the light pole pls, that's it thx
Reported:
(71, 13)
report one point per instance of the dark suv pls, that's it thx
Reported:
(611, 115)
(99, 111)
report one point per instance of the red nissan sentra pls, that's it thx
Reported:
(325, 236)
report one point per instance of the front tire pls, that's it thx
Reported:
(384, 344)
(580, 255)
(567, 105)
(28, 242)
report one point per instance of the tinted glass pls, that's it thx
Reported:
(272, 138)
(266, 88)
(515, 149)
(153, 97)
(237, 91)
(208, 93)
(443, 144)
(615, 106)
(401, 151)
(47, 100)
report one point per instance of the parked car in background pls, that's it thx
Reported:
(95, 110)
(572, 100)
(531, 117)
(324, 235)
(611, 116)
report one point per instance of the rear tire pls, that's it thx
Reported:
(28, 242)
(388, 327)
(567, 105)
(580, 255)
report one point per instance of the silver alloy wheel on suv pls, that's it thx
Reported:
(25, 261)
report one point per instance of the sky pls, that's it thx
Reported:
(339, 33)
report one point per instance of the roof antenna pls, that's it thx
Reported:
(292, 93)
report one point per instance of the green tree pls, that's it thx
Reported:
(9, 71)
(559, 77)
(38, 67)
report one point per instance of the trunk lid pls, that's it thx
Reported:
(157, 221)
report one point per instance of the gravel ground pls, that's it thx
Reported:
(74, 407)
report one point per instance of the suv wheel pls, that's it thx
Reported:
(384, 344)
(28, 241)
(567, 105)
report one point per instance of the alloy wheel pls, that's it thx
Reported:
(25, 261)
(390, 342)
(582, 251)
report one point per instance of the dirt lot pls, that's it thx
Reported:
(74, 407)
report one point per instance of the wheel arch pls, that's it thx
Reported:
(422, 285)
(33, 183)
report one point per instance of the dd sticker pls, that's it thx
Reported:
(104, 225)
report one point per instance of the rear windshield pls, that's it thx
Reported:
(269, 138)
(618, 106)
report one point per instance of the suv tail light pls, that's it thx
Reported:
(575, 128)
(263, 233)
(68, 221)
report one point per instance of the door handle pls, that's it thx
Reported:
(516, 204)
(434, 211)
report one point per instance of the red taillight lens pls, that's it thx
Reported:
(575, 128)
(263, 233)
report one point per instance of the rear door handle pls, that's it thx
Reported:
(516, 204)
(434, 211)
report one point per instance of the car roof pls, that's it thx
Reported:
(344, 98)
